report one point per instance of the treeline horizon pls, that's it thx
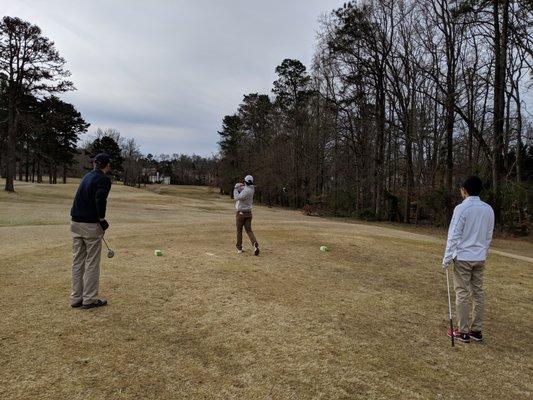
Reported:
(403, 101)
(40, 133)
(133, 167)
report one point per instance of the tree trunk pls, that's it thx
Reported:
(21, 164)
(470, 110)
(11, 141)
(27, 163)
(519, 144)
(380, 146)
(500, 56)
(449, 122)
(409, 172)
(2, 167)
(39, 172)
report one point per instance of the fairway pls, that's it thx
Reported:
(366, 320)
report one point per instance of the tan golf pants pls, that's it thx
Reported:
(468, 284)
(86, 250)
(244, 220)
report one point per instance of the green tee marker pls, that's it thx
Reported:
(324, 248)
(158, 253)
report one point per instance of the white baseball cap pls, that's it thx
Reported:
(249, 178)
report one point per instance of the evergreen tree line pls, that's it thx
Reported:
(403, 100)
(38, 131)
(47, 133)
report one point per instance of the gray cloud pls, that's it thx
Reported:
(166, 72)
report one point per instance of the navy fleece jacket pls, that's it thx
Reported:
(91, 198)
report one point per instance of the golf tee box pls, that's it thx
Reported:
(158, 253)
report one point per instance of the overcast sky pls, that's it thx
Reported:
(166, 72)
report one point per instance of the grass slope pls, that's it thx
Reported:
(364, 321)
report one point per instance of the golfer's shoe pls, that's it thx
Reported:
(239, 251)
(98, 303)
(77, 305)
(462, 337)
(256, 249)
(476, 336)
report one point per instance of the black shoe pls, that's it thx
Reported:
(77, 305)
(462, 337)
(98, 303)
(476, 336)
(256, 249)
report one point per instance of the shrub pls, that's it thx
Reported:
(368, 215)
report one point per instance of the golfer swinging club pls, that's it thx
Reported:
(469, 238)
(88, 226)
(244, 198)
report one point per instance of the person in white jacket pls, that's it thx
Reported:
(469, 238)
(244, 199)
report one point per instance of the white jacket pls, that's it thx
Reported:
(470, 231)
(244, 198)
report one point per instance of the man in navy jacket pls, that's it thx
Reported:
(88, 226)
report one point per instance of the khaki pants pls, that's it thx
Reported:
(244, 219)
(468, 284)
(86, 250)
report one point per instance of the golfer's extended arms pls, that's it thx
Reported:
(102, 191)
(244, 194)
(455, 233)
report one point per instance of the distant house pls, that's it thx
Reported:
(155, 176)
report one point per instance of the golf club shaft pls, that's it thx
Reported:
(450, 307)
(105, 243)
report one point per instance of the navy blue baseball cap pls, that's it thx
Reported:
(102, 160)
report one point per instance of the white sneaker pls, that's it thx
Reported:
(239, 251)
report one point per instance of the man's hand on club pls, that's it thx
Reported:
(445, 265)
(104, 224)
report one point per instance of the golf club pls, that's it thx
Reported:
(110, 253)
(450, 307)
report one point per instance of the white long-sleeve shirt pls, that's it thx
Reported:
(244, 198)
(470, 231)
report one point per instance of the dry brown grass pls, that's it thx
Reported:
(364, 321)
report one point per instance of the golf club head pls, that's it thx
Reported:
(110, 253)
